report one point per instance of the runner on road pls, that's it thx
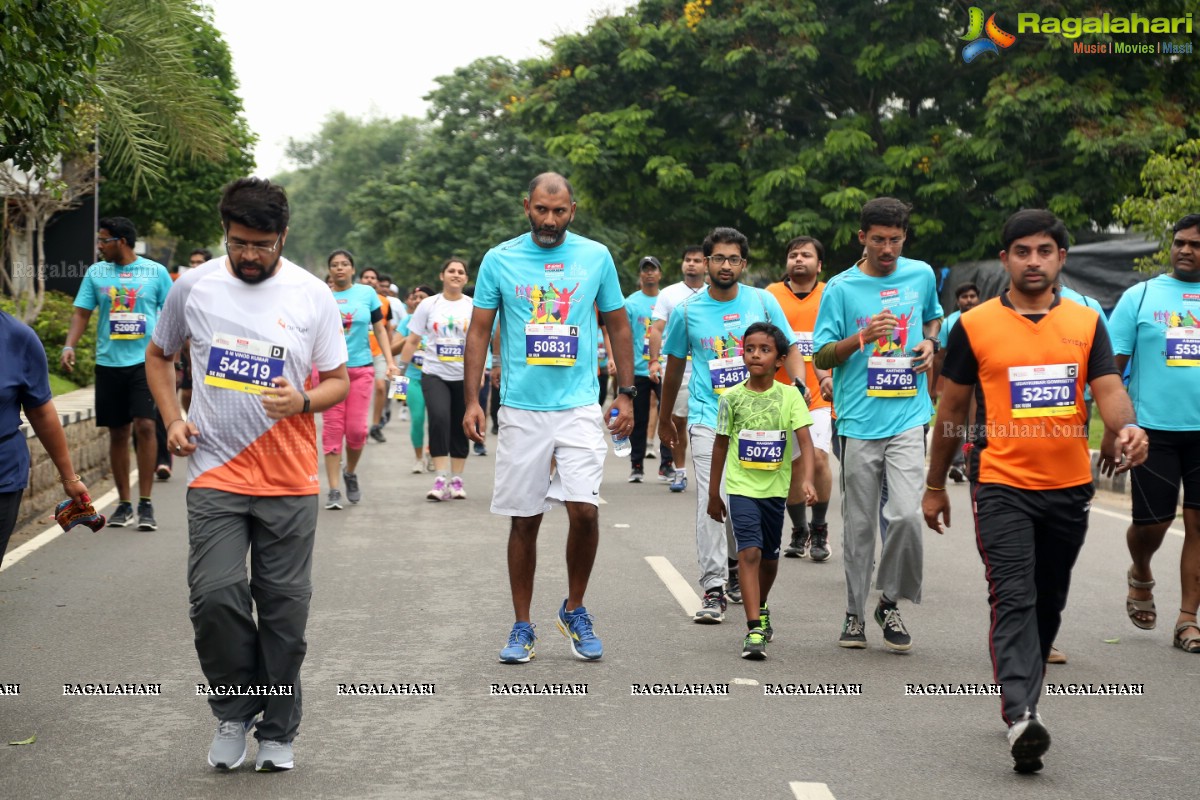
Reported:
(640, 307)
(1027, 355)
(258, 324)
(548, 409)
(1156, 331)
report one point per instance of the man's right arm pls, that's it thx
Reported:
(79, 323)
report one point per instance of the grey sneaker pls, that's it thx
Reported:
(274, 756)
(353, 493)
(818, 537)
(853, 634)
(145, 516)
(334, 500)
(376, 432)
(712, 610)
(228, 748)
(122, 516)
(1029, 740)
(733, 590)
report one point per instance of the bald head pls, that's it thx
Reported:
(552, 183)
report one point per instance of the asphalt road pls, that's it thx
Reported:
(413, 592)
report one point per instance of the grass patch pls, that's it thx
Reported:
(60, 385)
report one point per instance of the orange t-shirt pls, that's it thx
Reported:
(1032, 377)
(802, 316)
(375, 349)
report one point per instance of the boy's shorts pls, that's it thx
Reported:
(758, 522)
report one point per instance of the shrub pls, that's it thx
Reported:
(51, 327)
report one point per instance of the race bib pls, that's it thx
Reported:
(726, 373)
(891, 377)
(601, 353)
(1183, 347)
(244, 365)
(804, 342)
(450, 349)
(761, 449)
(552, 345)
(1045, 391)
(400, 387)
(418, 359)
(126, 325)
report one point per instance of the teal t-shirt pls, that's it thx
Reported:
(875, 393)
(640, 307)
(418, 356)
(710, 331)
(130, 298)
(947, 326)
(1163, 336)
(545, 299)
(355, 305)
(761, 429)
(1092, 303)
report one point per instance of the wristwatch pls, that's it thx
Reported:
(629, 391)
(307, 402)
(937, 345)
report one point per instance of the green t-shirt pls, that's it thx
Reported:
(760, 428)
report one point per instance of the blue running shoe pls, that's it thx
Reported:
(520, 644)
(679, 481)
(577, 627)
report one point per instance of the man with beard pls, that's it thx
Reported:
(258, 324)
(799, 294)
(1027, 355)
(548, 409)
(708, 327)
(882, 406)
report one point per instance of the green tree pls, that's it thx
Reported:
(459, 193)
(49, 52)
(782, 117)
(1169, 193)
(184, 201)
(333, 167)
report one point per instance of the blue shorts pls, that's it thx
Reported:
(758, 522)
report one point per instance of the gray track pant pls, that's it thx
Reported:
(864, 463)
(714, 540)
(234, 652)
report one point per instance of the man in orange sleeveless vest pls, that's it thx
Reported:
(799, 294)
(1031, 353)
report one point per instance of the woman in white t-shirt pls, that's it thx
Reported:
(442, 321)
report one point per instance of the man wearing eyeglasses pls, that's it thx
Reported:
(878, 325)
(259, 324)
(708, 327)
(129, 291)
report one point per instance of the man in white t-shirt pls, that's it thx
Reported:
(257, 325)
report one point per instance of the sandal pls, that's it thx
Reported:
(1188, 644)
(1141, 612)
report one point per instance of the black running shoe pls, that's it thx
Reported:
(798, 545)
(818, 542)
(895, 636)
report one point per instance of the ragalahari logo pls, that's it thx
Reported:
(984, 37)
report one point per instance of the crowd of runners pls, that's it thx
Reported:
(230, 362)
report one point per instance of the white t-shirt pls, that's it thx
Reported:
(443, 323)
(243, 335)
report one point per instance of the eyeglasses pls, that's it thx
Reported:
(252, 249)
(734, 261)
(109, 240)
(879, 241)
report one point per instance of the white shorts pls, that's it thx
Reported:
(574, 440)
(380, 364)
(821, 431)
(681, 401)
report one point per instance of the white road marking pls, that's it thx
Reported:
(677, 585)
(1125, 517)
(54, 531)
(621, 525)
(745, 682)
(811, 791)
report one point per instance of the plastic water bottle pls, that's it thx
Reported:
(621, 446)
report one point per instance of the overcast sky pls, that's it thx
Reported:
(299, 60)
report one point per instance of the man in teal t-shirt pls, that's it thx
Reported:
(1155, 330)
(639, 306)
(708, 327)
(130, 292)
(878, 325)
(544, 288)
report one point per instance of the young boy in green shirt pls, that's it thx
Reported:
(759, 416)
